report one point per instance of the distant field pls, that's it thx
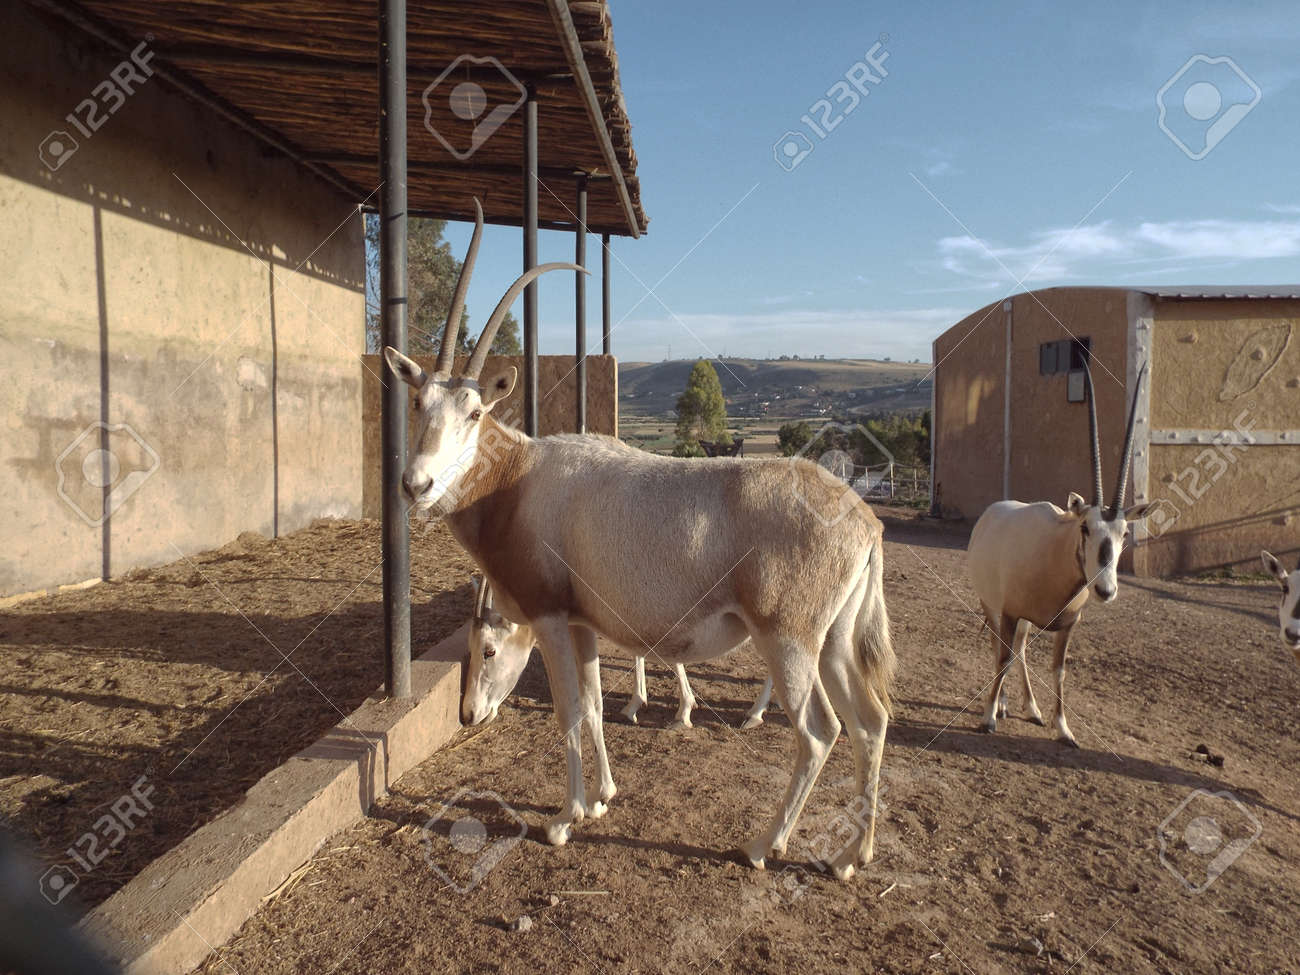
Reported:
(763, 389)
(656, 434)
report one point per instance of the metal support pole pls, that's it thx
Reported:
(392, 303)
(580, 308)
(530, 261)
(604, 293)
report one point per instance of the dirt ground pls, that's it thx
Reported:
(174, 674)
(1009, 852)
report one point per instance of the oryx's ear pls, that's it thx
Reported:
(498, 387)
(1273, 566)
(1138, 511)
(404, 368)
(1075, 504)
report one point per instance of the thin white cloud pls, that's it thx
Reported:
(1090, 250)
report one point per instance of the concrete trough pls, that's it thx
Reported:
(193, 898)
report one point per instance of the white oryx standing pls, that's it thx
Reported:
(580, 535)
(686, 698)
(1288, 611)
(1034, 564)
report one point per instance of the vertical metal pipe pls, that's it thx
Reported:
(392, 303)
(580, 307)
(530, 261)
(604, 293)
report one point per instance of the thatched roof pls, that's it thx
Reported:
(306, 72)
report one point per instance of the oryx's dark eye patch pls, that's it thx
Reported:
(476, 416)
(489, 652)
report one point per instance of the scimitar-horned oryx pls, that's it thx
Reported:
(580, 535)
(1034, 564)
(1288, 611)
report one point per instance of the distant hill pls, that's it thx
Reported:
(793, 387)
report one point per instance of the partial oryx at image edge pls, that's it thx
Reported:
(1034, 564)
(1288, 610)
(580, 535)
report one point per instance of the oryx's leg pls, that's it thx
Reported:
(584, 641)
(638, 697)
(865, 719)
(755, 716)
(561, 659)
(1031, 705)
(1003, 638)
(1060, 647)
(685, 699)
(793, 666)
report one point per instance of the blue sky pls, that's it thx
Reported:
(1008, 147)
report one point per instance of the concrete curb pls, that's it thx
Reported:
(190, 900)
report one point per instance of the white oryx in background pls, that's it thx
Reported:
(580, 535)
(686, 698)
(1034, 564)
(1288, 611)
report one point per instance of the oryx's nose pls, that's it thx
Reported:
(415, 486)
(1105, 594)
(1293, 634)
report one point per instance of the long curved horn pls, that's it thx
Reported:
(1121, 485)
(499, 313)
(487, 602)
(1097, 498)
(480, 601)
(451, 331)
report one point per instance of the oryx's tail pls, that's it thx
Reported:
(871, 634)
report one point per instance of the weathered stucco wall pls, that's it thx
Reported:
(970, 362)
(1224, 365)
(1050, 453)
(172, 293)
(557, 385)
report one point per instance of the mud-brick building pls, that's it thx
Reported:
(1217, 441)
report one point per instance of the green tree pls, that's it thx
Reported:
(701, 411)
(432, 270)
(791, 437)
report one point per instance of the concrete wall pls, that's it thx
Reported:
(1223, 365)
(1046, 455)
(557, 384)
(198, 297)
(970, 363)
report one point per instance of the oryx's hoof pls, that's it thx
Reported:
(844, 871)
(596, 809)
(1036, 717)
(987, 727)
(756, 854)
(679, 724)
(753, 721)
(558, 831)
(630, 714)
(1068, 739)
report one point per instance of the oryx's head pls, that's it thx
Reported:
(451, 411)
(1288, 611)
(1102, 527)
(498, 653)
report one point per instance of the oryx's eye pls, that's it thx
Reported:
(489, 652)
(476, 416)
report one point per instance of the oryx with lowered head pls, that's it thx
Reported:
(1288, 610)
(1036, 565)
(581, 535)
